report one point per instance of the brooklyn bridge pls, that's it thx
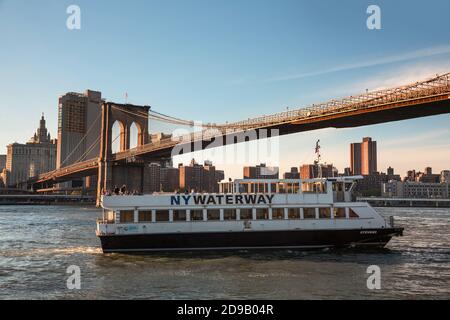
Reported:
(130, 165)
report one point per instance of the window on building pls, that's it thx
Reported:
(246, 214)
(162, 215)
(339, 213)
(324, 213)
(196, 215)
(309, 213)
(145, 216)
(278, 213)
(229, 214)
(126, 216)
(179, 215)
(213, 214)
(353, 214)
(262, 213)
(294, 213)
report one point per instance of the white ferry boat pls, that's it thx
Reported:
(246, 214)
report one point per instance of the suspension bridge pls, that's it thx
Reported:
(419, 99)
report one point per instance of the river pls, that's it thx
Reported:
(39, 243)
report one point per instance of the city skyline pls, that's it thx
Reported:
(196, 66)
(342, 162)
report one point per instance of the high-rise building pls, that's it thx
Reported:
(170, 179)
(79, 125)
(155, 177)
(355, 158)
(261, 172)
(198, 178)
(24, 161)
(2, 162)
(363, 157)
(293, 174)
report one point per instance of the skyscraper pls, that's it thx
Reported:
(363, 157)
(79, 125)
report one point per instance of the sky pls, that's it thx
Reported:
(228, 60)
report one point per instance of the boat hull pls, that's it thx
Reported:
(299, 239)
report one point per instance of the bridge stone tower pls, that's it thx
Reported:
(130, 173)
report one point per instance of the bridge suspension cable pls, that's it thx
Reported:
(81, 140)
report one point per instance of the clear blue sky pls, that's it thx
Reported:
(218, 60)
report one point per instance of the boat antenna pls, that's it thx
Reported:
(317, 161)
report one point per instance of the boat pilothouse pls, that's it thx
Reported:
(245, 214)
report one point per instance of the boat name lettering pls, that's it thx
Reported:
(222, 199)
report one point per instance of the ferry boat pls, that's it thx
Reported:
(245, 214)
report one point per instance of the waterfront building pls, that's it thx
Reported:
(413, 189)
(363, 157)
(24, 161)
(371, 185)
(170, 179)
(293, 174)
(311, 171)
(261, 171)
(445, 176)
(427, 176)
(198, 178)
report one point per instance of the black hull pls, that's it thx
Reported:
(300, 239)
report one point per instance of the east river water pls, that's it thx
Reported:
(39, 243)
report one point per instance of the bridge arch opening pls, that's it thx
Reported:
(118, 137)
(135, 135)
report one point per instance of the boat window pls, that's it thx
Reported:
(262, 213)
(196, 215)
(213, 214)
(109, 215)
(307, 187)
(294, 213)
(229, 214)
(296, 187)
(179, 215)
(339, 213)
(246, 214)
(281, 187)
(288, 187)
(309, 213)
(273, 187)
(162, 215)
(278, 213)
(353, 214)
(126, 216)
(145, 216)
(324, 213)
